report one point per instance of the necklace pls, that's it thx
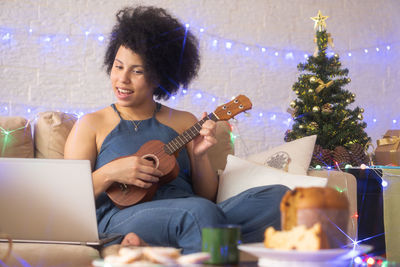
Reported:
(136, 125)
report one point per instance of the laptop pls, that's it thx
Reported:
(48, 201)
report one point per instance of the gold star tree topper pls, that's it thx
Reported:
(319, 21)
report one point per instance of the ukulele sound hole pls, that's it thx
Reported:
(153, 159)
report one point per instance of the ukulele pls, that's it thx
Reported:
(163, 156)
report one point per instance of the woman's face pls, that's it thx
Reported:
(128, 79)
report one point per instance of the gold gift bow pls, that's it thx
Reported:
(390, 140)
(330, 42)
(322, 85)
(4, 258)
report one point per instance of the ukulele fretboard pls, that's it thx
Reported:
(188, 135)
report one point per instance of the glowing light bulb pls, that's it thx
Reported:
(384, 183)
(213, 99)
(349, 54)
(318, 167)
(260, 114)
(247, 48)
(370, 261)
(198, 95)
(215, 43)
(7, 36)
(377, 49)
(228, 45)
(363, 166)
(358, 260)
(30, 30)
(201, 30)
(67, 39)
(365, 51)
(173, 97)
(348, 166)
(276, 54)
(388, 47)
(187, 25)
(374, 120)
(184, 91)
(305, 56)
(87, 33)
(394, 121)
(28, 110)
(47, 39)
(289, 55)
(263, 49)
(273, 117)
(100, 38)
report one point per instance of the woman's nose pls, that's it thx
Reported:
(124, 77)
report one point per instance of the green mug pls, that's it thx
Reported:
(222, 243)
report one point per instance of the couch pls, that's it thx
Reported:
(45, 137)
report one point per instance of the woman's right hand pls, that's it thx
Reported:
(132, 170)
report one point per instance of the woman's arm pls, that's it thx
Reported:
(82, 144)
(205, 180)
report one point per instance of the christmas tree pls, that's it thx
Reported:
(322, 107)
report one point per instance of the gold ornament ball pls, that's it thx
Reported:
(293, 104)
(315, 109)
(310, 91)
(353, 95)
(348, 80)
(297, 92)
(348, 100)
(360, 116)
(313, 79)
(301, 126)
(336, 56)
(361, 110)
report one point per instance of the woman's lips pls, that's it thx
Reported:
(123, 93)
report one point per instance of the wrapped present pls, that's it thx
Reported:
(388, 150)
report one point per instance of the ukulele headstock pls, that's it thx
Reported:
(229, 110)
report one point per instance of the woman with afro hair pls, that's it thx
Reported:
(149, 57)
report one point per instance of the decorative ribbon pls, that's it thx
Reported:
(322, 85)
(369, 154)
(393, 141)
(330, 42)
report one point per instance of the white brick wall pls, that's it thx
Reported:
(69, 76)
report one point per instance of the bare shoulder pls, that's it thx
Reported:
(179, 120)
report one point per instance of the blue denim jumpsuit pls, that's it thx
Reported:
(176, 215)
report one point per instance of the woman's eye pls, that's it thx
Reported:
(137, 71)
(118, 67)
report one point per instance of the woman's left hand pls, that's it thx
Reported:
(206, 139)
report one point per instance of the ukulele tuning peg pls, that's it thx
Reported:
(247, 114)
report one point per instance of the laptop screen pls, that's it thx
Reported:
(49, 200)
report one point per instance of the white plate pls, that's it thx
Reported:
(270, 256)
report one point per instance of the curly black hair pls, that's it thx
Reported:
(168, 49)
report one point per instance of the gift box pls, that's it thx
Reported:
(388, 149)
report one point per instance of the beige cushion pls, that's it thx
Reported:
(51, 132)
(219, 152)
(346, 183)
(240, 175)
(299, 151)
(15, 137)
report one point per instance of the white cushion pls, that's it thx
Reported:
(299, 151)
(240, 175)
